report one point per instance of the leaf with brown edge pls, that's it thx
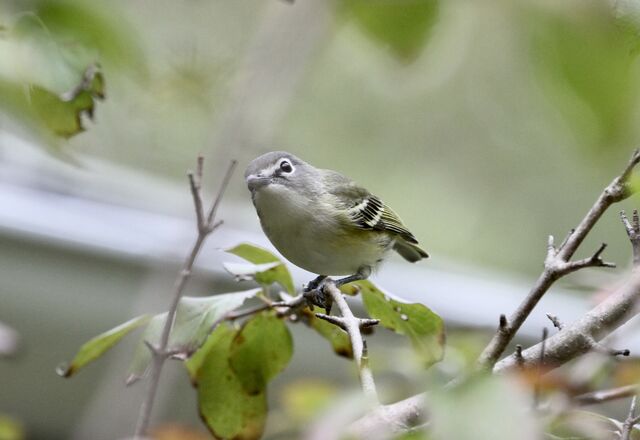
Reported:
(226, 408)
(260, 351)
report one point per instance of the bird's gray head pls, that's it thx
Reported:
(279, 168)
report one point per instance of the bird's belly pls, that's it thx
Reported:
(313, 240)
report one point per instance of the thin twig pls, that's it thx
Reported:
(555, 321)
(583, 335)
(631, 421)
(160, 353)
(602, 396)
(352, 326)
(633, 231)
(536, 388)
(558, 263)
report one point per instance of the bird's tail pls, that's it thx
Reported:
(409, 251)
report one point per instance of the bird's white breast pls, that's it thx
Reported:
(310, 234)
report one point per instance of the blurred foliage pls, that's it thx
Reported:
(47, 47)
(304, 399)
(11, 429)
(587, 63)
(483, 407)
(400, 25)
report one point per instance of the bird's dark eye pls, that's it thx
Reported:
(286, 167)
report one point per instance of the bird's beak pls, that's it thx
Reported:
(256, 181)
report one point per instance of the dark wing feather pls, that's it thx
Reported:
(364, 210)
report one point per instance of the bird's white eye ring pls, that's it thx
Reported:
(285, 166)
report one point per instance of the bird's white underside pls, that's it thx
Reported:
(307, 233)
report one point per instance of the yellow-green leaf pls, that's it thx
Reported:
(226, 408)
(260, 351)
(195, 317)
(423, 327)
(259, 256)
(97, 346)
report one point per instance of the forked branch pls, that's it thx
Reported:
(558, 263)
(205, 225)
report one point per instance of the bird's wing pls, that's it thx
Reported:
(364, 210)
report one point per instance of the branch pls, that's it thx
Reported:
(602, 396)
(583, 335)
(558, 263)
(630, 422)
(352, 325)
(633, 231)
(205, 228)
(384, 418)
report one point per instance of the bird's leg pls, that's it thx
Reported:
(362, 274)
(315, 289)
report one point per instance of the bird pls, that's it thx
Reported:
(323, 222)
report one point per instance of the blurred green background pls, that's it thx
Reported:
(486, 124)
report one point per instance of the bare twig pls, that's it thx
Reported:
(631, 421)
(583, 335)
(536, 388)
(352, 326)
(205, 227)
(633, 231)
(602, 396)
(558, 262)
(555, 321)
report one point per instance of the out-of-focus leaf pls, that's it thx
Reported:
(10, 429)
(62, 114)
(257, 255)
(586, 425)
(195, 316)
(401, 25)
(90, 31)
(97, 346)
(225, 406)
(260, 351)
(424, 328)
(586, 65)
(304, 399)
(335, 335)
(482, 407)
(178, 432)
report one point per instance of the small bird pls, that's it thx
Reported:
(324, 222)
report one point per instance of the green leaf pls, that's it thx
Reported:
(97, 346)
(227, 409)
(586, 65)
(335, 335)
(258, 255)
(424, 328)
(260, 351)
(401, 25)
(195, 316)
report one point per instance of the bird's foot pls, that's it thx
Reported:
(314, 293)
